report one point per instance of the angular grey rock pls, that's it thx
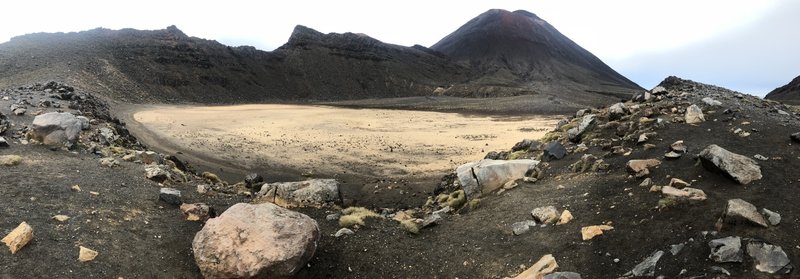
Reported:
(768, 258)
(642, 96)
(19, 111)
(343, 231)
(85, 122)
(739, 211)
(522, 227)
(170, 196)
(617, 111)
(554, 151)
(3, 143)
(646, 267)
(773, 217)
(252, 180)
(676, 248)
(711, 102)
(562, 275)
(157, 173)
(109, 162)
(545, 214)
(726, 250)
(525, 144)
(314, 192)
(56, 128)
(333, 216)
(694, 115)
(672, 155)
(431, 220)
(587, 123)
(741, 168)
(149, 157)
(678, 146)
(659, 90)
(760, 157)
(484, 176)
(107, 135)
(255, 241)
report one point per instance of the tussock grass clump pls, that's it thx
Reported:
(409, 226)
(442, 198)
(352, 216)
(474, 204)
(211, 177)
(457, 199)
(118, 150)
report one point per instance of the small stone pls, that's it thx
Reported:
(642, 138)
(566, 217)
(93, 193)
(647, 182)
(61, 218)
(678, 146)
(760, 157)
(545, 215)
(197, 211)
(685, 193)
(129, 158)
(431, 220)
(590, 232)
(711, 102)
(562, 275)
(86, 254)
(343, 231)
(676, 248)
(773, 217)
(678, 183)
(641, 167)
(109, 162)
(170, 196)
(203, 188)
(646, 267)
(522, 227)
(672, 155)
(3, 143)
(648, 146)
(333, 217)
(795, 137)
(19, 237)
(726, 250)
(149, 157)
(76, 188)
(718, 269)
(252, 180)
(546, 265)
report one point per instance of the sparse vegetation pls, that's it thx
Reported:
(211, 177)
(457, 199)
(352, 216)
(521, 154)
(474, 204)
(409, 226)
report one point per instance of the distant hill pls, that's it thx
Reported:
(527, 56)
(789, 93)
(521, 50)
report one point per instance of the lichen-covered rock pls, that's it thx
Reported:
(314, 192)
(255, 241)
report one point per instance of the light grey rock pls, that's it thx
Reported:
(721, 270)
(726, 250)
(711, 102)
(431, 220)
(562, 275)
(157, 173)
(772, 217)
(85, 122)
(56, 128)
(760, 157)
(107, 135)
(313, 192)
(617, 111)
(3, 143)
(659, 90)
(646, 267)
(694, 115)
(170, 196)
(678, 146)
(255, 241)
(587, 123)
(149, 157)
(109, 162)
(485, 176)
(676, 248)
(768, 258)
(739, 211)
(647, 182)
(741, 168)
(545, 214)
(522, 227)
(333, 217)
(343, 231)
(19, 111)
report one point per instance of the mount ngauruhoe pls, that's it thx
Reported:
(497, 54)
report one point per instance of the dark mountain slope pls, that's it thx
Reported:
(789, 93)
(520, 49)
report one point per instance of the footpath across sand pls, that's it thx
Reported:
(330, 140)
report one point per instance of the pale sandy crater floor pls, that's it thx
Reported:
(330, 140)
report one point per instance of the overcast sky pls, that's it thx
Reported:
(745, 45)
